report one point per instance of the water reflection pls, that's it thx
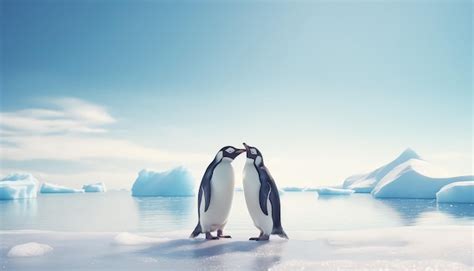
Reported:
(168, 212)
(410, 210)
(20, 211)
(457, 210)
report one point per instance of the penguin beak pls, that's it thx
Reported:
(239, 151)
(246, 146)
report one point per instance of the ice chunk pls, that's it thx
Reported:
(413, 179)
(332, 191)
(29, 250)
(364, 183)
(175, 182)
(18, 186)
(293, 189)
(458, 192)
(54, 188)
(96, 187)
(128, 239)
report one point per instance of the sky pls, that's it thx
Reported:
(98, 90)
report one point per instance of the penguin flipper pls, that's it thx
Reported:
(263, 195)
(206, 187)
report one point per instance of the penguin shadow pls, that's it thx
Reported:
(201, 249)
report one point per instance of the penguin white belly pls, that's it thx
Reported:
(251, 185)
(222, 192)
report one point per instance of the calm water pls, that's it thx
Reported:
(118, 211)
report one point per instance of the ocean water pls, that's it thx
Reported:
(301, 211)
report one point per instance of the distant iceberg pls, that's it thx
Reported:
(96, 187)
(458, 192)
(365, 183)
(332, 191)
(293, 189)
(54, 188)
(18, 186)
(176, 182)
(413, 179)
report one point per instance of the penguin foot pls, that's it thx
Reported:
(219, 234)
(261, 238)
(210, 237)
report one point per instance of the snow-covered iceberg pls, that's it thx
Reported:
(332, 191)
(458, 192)
(175, 182)
(413, 179)
(364, 183)
(54, 188)
(95, 187)
(18, 186)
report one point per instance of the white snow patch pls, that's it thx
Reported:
(333, 191)
(54, 188)
(175, 182)
(129, 239)
(95, 187)
(29, 250)
(458, 192)
(18, 186)
(413, 179)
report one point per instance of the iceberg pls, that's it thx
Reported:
(18, 186)
(413, 179)
(364, 183)
(175, 182)
(54, 188)
(332, 191)
(29, 250)
(95, 187)
(293, 189)
(457, 192)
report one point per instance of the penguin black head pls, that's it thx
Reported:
(229, 152)
(252, 152)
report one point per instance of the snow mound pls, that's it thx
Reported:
(18, 186)
(364, 183)
(54, 188)
(175, 182)
(413, 179)
(29, 250)
(458, 192)
(95, 187)
(128, 239)
(333, 191)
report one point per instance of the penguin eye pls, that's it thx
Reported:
(230, 150)
(253, 151)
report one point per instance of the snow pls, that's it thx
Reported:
(129, 239)
(18, 186)
(399, 248)
(457, 192)
(333, 191)
(175, 182)
(413, 179)
(29, 250)
(95, 187)
(54, 188)
(365, 183)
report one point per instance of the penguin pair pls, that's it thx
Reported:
(217, 189)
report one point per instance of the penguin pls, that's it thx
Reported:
(215, 194)
(261, 196)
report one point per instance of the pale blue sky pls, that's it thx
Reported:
(325, 89)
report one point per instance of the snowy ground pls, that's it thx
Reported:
(404, 248)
